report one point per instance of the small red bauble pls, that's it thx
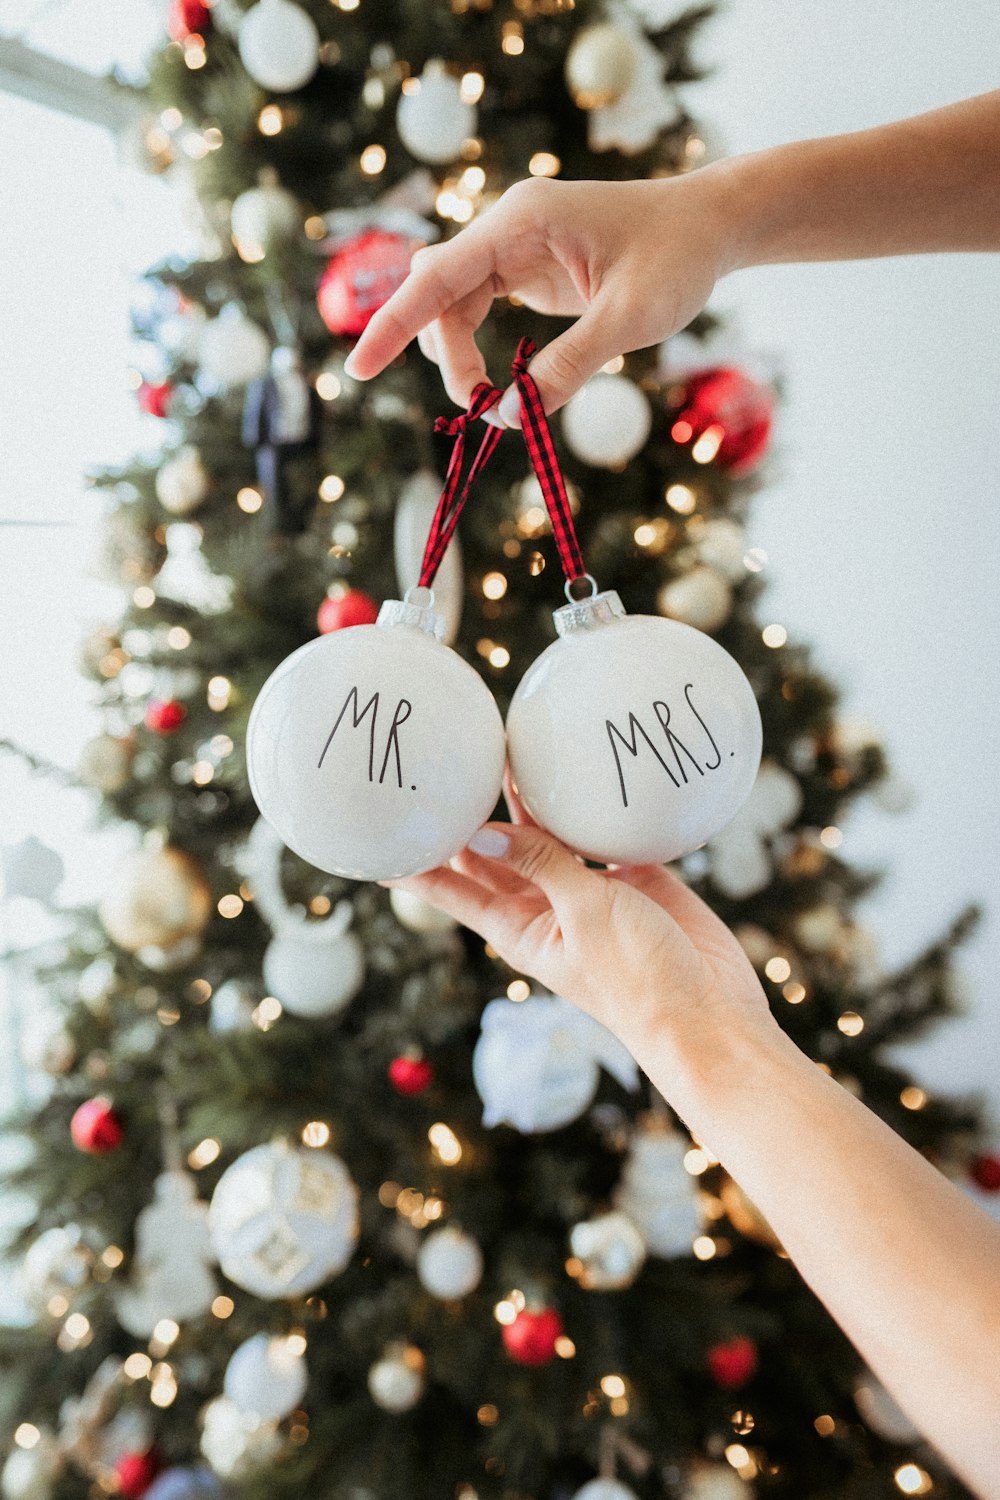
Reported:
(96, 1127)
(164, 716)
(352, 608)
(733, 1363)
(136, 1472)
(985, 1172)
(410, 1075)
(531, 1338)
(730, 414)
(186, 17)
(155, 399)
(360, 277)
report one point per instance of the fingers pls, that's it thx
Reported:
(571, 889)
(467, 900)
(462, 365)
(567, 363)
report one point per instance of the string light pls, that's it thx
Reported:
(144, 597)
(230, 906)
(774, 636)
(296, 1344)
(137, 1366)
(249, 500)
(223, 1307)
(755, 560)
(612, 1385)
(178, 639)
(850, 1023)
(445, 1144)
(165, 1333)
(266, 1013)
(565, 1347)
(696, 1161)
(220, 690)
(518, 990)
(794, 992)
(494, 585)
(825, 1425)
(112, 1256)
(912, 1097)
(331, 488)
(512, 38)
(171, 119)
(488, 1415)
(830, 837)
(270, 121)
(544, 164)
(777, 969)
(704, 1247)
(708, 443)
(27, 1435)
(471, 87)
(681, 498)
(315, 227)
(913, 1480)
(316, 1133)
(372, 160)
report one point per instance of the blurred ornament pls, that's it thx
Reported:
(881, 1412)
(410, 1075)
(607, 421)
(57, 1264)
(733, 1363)
(232, 1006)
(187, 17)
(237, 1446)
(96, 1127)
(396, 1382)
(171, 1275)
(985, 1171)
(340, 611)
(418, 915)
(31, 869)
(185, 1484)
(820, 928)
(283, 1220)
(632, 122)
(532, 1336)
(266, 1377)
(714, 1482)
(182, 482)
(154, 398)
(106, 763)
(164, 716)
(727, 417)
(657, 1193)
(599, 65)
(279, 45)
(280, 423)
(745, 1216)
(418, 500)
(701, 597)
(233, 350)
(135, 1473)
(432, 118)
(32, 1473)
(156, 898)
(722, 545)
(264, 216)
(665, 742)
(740, 856)
(605, 1489)
(315, 968)
(46, 1044)
(314, 777)
(758, 944)
(360, 277)
(610, 1250)
(179, 334)
(537, 1062)
(449, 1264)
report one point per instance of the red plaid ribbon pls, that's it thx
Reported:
(449, 507)
(542, 453)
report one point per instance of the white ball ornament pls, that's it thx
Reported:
(105, 763)
(605, 1489)
(607, 421)
(376, 752)
(315, 968)
(610, 1250)
(415, 508)
(263, 216)
(418, 915)
(284, 1220)
(266, 1377)
(432, 118)
(279, 45)
(31, 1473)
(232, 1006)
(658, 1194)
(157, 898)
(632, 738)
(182, 482)
(722, 544)
(599, 65)
(232, 351)
(396, 1382)
(57, 1264)
(236, 1445)
(714, 1482)
(449, 1264)
(701, 597)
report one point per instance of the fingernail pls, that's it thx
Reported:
(510, 407)
(491, 842)
(494, 419)
(349, 365)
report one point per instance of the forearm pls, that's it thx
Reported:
(907, 1265)
(929, 183)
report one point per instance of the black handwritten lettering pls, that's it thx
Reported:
(404, 708)
(664, 719)
(356, 719)
(678, 747)
(718, 753)
(392, 743)
(632, 746)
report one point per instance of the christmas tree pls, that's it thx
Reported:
(456, 1246)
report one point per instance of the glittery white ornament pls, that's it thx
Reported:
(607, 421)
(610, 1250)
(232, 351)
(266, 1377)
(263, 216)
(647, 104)
(171, 1275)
(279, 45)
(415, 509)
(31, 1473)
(396, 1382)
(432, 118)
(182, 482)
(236, 1445)
(740, 853)
(449, 1264)
(156, 898)
(701, 597)
(658, 1194)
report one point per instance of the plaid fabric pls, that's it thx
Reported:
(449, 507)
(542, 453)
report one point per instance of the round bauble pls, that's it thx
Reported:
(396, 1382)
(701, 597)
(31, 1473)
(182, 482)
(733, 1363)
(727, 417)
(449, 1264)
(186, 18)
(263, 217)
(985, 1171)
(96, 1127)
(532, 1336)
(722, 544)
(599, 66)
(156, 898)
(154, 398)
(418, 915)
(605, 1489)
(607, 421)
(610, 1252)
(658, 1194)
(432, 118)
(632, 738)
(341, 611)
(714, 1482)
(279, 45)
(135, 1473)
(30, 868)
(237, 1446)
(283, 1220)
(164, 715)
(106, 763)
(410, 1075)
(360, 277)
(57, 1264)
(185, 1484)
(882, 1413)
(233, 350)
(232, 1006)
(314, 971)
(376, 752)
(266, 1377)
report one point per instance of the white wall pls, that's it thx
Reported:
(883, 521)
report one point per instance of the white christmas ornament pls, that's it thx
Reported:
(376, 752)
(537, 1062)
(418, 500)
(236, 1445)
(647, 105)
(31, 1473)
(233, 350)
(449, 1264)
(701, 597)
(432, 118)
(284, 1220)
(30, 868)
(605, 1489)
(279, 45)
(658, 1194)
(610, 1250)
(182, 482)
(106, 763)
(266, 1377)
(632, 738)
(57, 1264)
(263, 216)
(607, 421)
(714, 1482)
(396, 1382)
(171, 1275)
(740, 856)
(722, 544)
(882, 1413)
(418, 915)
(232, 1006)
(600, 65)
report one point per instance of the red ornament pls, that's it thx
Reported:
(155, 399)
(96, 1127)
(410, 1075)
(985, 1172)
(136, 1472)
(531, 1338)
(352, 608)
(733, 1363)
(728, 415)
(360, 277)
(164, 716)
(186, 18)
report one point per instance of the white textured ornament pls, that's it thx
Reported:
(537, 1062)
(284, 1220)
(232, 351)
(171, 1274)
(376, 752)
(701, 597)
(605, 1489)
(610, 1249)
(418, 500)
(632, 738)
(449, 1264)
(31, 1473)
(236, 1445)
(266, 1377)
(740, 855)
(658, 1194)
(396, 1382)
(607, 421)
(418, 915)
(599, 65)
(432, 118)
(279, 45)
(263, 217)
(182, 482)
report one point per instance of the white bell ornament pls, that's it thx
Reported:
(432, 118)
(607, 421)
(279, 45)
(266, 1377)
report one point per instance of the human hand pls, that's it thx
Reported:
(632, 261)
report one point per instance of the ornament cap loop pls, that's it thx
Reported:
(414, 611)
(584, 614)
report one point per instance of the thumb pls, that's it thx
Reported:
(541, 859)
(567, 363)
